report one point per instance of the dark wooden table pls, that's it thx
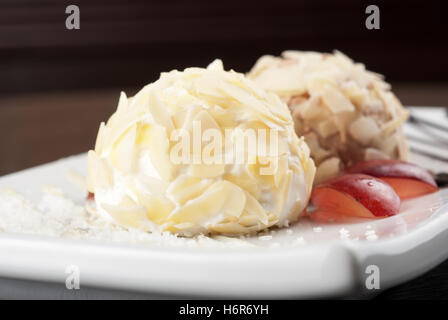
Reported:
(433, 285)
(41, 127)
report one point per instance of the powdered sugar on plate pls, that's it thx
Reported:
(61, 212)
(57, 215)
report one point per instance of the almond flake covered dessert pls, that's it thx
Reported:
(346, 113)
(139, 181)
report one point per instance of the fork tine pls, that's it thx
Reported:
(436, 142)
(418, 120)
(429, 154)
(426, 129)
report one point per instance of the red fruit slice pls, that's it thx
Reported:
(409, 188)
(354, 195)
(407, 179)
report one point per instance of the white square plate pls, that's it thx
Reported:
(304, 260)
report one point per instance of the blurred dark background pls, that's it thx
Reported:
(56, 85)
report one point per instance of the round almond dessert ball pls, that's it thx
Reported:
(200, 151)
(346, 113)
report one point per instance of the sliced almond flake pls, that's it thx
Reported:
(157, 208)
(318, 85)
(249, 101)
(403, 149)
(343, 58)
(142, 97)
(102, 135)
(327, 128)
(159, 152)
(388, 145)
(216, 65)
(386, 98)
(122, 103)
(281, 169)
(317, 152)
(185, 225)
(209, 85)
(124, 152)
(335, 100)
(128, 216)
(185, 188)
(311, 109)
(99, 175)
(185, 120)
(328, 169)
(232, 228)
(310, 174)
(253, 207)
(223, 117)
(354, 93)
(143, 135)
(179, 119)
(342, 121)
(206, 121)
(262, 64)
(363, 130)
(222, 197)
(283, 81)
(245, 182)
(374, 154)
(282, 193)
(250, 220)
(159, 113)
(301, 55)
(122, 109)
(128, 120)
(151, 185)
(371, 105)
(389, 127)
(259, 92)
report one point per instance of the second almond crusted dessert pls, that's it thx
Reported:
(346, 113)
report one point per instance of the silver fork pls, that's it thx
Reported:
(437, 140)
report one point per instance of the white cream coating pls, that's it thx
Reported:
(138, 186)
